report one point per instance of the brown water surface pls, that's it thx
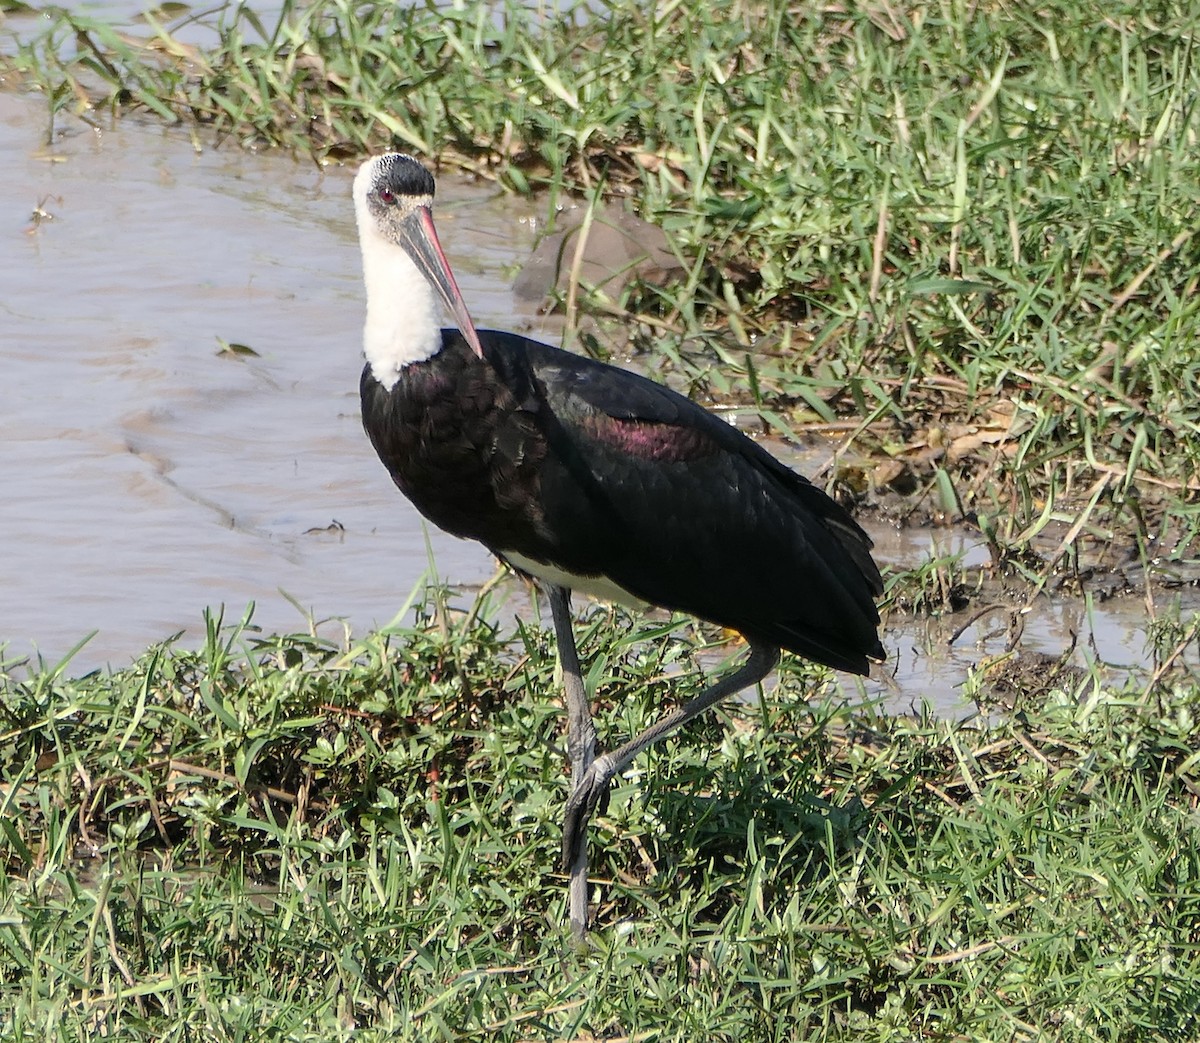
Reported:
(146, 475)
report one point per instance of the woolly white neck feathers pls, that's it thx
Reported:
(403, 313)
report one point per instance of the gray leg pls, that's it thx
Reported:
(581, 746)
(590, 788)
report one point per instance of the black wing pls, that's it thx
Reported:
(640, 485)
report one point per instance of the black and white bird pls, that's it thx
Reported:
(590, 478)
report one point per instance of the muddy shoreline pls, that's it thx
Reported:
(152, 474)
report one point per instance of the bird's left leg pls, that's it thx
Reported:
(589, 789)
(581, 745)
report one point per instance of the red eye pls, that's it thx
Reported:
(387, 196)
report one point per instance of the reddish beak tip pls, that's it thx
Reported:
(426, 251)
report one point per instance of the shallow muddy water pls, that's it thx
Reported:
(147, 475)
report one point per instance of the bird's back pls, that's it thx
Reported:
(553, 458)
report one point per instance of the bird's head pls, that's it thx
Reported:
(393, 201)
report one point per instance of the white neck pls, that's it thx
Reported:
(403, 315)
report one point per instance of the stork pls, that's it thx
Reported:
(593, 479)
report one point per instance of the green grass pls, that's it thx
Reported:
(962, 235)
(278, 838)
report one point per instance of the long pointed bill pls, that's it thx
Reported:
(421, 243)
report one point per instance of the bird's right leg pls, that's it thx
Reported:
(591, 787)
(581, 746)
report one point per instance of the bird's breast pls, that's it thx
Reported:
(456, 443)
